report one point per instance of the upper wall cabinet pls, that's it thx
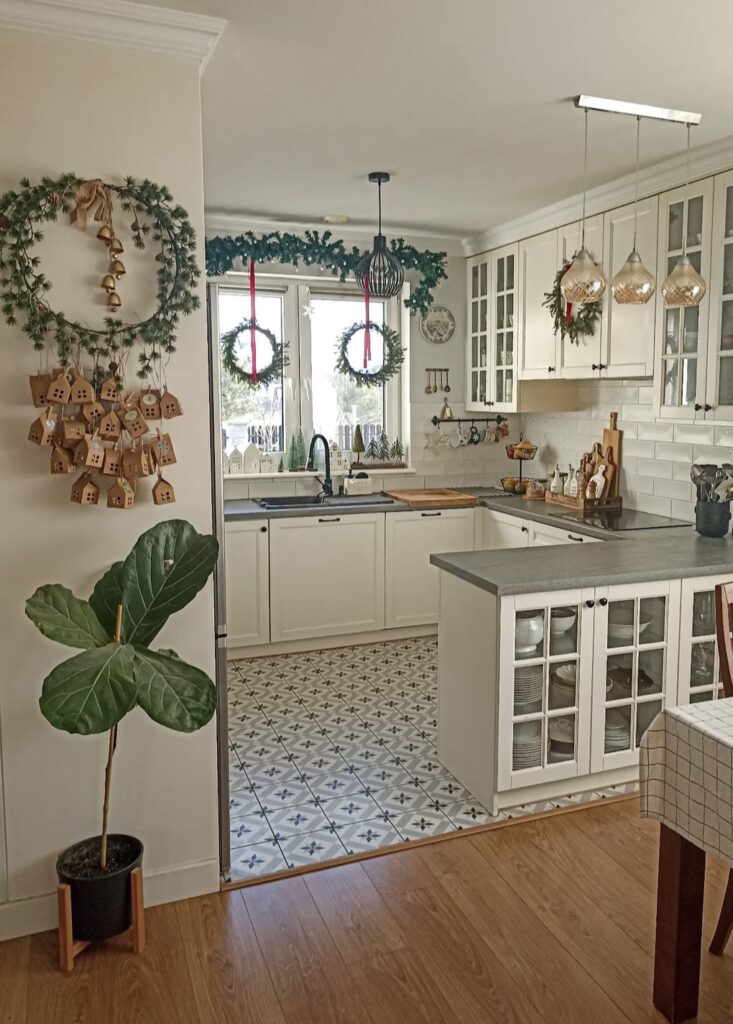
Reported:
(682, 333)
(627, 332)
(581, 359)
(477, 361)
(719, 378)
(503, 326)
(538, 344)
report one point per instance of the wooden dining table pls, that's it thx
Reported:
(686, 782)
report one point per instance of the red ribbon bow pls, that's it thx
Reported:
(367, 333)
(253, 320)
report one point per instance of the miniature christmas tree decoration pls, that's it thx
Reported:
(59, 389)
(170, 406)
(397, 452)
(292, 455)
(163, 493)
(372, 450)
(42, 429)
(121, 494)
(61, 461)
(300, 450)
(383, 448)
(150, 404)
(81, 391)
(357, 444)
(281, 466)
(40, 383)
(110, 426)
(163, 450)
(84, 491)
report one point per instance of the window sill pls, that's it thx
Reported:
(305, 475)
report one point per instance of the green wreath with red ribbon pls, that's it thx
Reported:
(571, 321)
(258, 377)
(394, 355)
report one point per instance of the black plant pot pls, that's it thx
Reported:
(101, 905)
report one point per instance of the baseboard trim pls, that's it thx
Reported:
(322, 643)
(39, 914)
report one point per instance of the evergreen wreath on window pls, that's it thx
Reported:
(394, 355)
(570, 321)
(272, 372)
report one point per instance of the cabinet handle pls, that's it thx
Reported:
(488, 403)
(332, 519)
(525, 529)
(427, 515)
(579, 539)
(598, 366)
(707, 407)
(697, 407)
(550, 369)
(263, 529)
(603, 602)
(589, 603)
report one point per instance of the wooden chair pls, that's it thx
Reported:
(723, 626)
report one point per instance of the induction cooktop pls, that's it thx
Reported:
(620, 519)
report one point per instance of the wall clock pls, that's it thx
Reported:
(438, 325)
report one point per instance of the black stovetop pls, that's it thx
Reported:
(618, 520)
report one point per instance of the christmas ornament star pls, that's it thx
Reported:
(308, 310)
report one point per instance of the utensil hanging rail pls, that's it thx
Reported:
(498, 420)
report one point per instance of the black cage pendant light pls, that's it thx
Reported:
(380, 274)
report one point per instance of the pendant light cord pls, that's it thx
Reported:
(636, 183)
(585, 176)
(379, 192)
(687, 194)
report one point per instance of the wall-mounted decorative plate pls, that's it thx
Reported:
(438, 325)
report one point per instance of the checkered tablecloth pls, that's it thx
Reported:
(686, 774)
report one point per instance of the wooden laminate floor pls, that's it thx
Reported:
(548, 920)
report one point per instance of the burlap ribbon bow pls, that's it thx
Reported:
(90, 194)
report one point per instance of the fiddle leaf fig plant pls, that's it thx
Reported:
(116, 670)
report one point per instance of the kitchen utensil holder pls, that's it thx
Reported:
(712, 518)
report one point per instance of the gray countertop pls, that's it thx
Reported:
(238, 509)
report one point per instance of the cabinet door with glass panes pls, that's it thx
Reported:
(546, 662)
(502, 320)
(699, 676)
(719, 390)
(477, 360)
(635, 667)
(685, 223)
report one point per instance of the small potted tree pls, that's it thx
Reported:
(116, 672)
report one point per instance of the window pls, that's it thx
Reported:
(311, 394)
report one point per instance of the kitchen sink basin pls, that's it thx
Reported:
(311, 501)
(304, 501)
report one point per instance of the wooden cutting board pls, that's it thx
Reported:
(612, 440)
(437, 497)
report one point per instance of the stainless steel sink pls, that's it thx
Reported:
(311, 501)
(304, 501)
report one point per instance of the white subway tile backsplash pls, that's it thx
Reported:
(683, 510)
(273, 488)
(646, 396)
(657, 506)
(637, 413)
(695, 433)
(705, 453)
(678, 489)
(655, 431)
(638, 484)
(655, 468)
(644, 449)
(673, 452)
(681, 471)
(723, 435)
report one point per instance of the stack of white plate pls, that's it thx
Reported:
(528, 681)
(618, 729)
(562, 686)
(527, 745)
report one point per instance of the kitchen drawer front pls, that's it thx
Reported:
(326, 575)
(412, 583)
(540, 534)
(505, 531)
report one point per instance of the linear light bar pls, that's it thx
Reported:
(637, 109)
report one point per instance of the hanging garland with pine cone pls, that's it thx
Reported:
(394, 355)
(571, 321)
(264, 377)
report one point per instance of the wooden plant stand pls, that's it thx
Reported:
(69, 947)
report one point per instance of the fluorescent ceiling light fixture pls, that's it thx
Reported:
(637, 109)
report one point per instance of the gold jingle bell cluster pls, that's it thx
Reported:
(96, 195)
(100, 429)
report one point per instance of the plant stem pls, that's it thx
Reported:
(110, 755)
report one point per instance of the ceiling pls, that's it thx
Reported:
(465, 102)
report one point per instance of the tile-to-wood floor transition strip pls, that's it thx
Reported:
(353, 858)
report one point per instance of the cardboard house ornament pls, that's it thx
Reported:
(82, 391)
(110, 426)
(59, 389)
(84, 491)
(61, 461)
(169, 405)
(43, 429)
(163, 493)
(92, 412)
(150, 404)
(40, 383)
(109, 391)
(135, 463)
(89, 452)
(112, 462)
(132, 420)
(121, 494)
(72, 431)
(163, 450)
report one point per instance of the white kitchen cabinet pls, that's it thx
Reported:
(246, 550)
(635, 654)
(718, 404)
(326, 575)
(505, 531)
(699, 662)
(627, 332)
(502, 395)
(478, 284)
(582, 359)
(539, 535)
(682, 333)
(412, 583)
(538, 345)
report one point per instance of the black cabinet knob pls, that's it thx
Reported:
(525, 529)
(707, 407)
(603, 601)
(697, 407)
(550, 369)
(589, 604)
(598, 366)
(263, 529)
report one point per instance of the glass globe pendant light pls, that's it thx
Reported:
(684, 286)
(379, 273)
(583, 281)
(634, 284)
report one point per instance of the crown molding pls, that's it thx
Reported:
(134, 26)
(704, 161)
(220, 222)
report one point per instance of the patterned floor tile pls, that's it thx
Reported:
(422, 823)
(257, 860)
(401, 799)
(469, 814)
(283, 794)
(250, 829)
(445, 789)
(294, 821)
(336, 784)
(383, 776)
(362, 836)
(341, 810)
(312, 847)
(277, 771)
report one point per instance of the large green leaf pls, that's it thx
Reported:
(107, 596)
(165, 570)
(172, 692)
(92, 691)
(65, 618)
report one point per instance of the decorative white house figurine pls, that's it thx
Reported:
(236, 461)
(251, 458)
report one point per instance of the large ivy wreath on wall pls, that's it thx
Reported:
(320, 249)
(24, 286)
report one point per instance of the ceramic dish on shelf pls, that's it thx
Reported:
(529, 630)
(621, 625)
(562, 620)
(566, 675)
(562, 730)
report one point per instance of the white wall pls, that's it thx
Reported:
(108, 112)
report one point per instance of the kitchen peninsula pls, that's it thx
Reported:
(552, 667)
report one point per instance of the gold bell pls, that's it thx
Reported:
(108, 282)
(114, 300)
(117, 267)
(116, 247)
(105, 233)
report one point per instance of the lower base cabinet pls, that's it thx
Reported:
(326, 576)
(246, 550)
(412, 584)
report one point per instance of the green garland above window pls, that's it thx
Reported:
(394, 356)
(320, 249)
(570, 322)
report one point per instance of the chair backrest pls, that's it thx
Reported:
(723, 625)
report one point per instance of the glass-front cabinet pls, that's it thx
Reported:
(699, 662)
(719, 391)
(685, 223)
(635, 667)
(478, 284)
(502, 350)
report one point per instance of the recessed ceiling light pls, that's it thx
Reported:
(336, 218)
